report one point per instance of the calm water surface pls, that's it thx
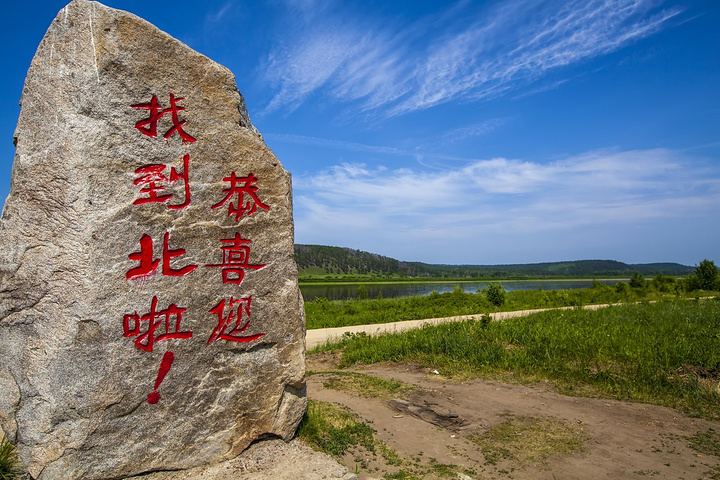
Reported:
(391, 290)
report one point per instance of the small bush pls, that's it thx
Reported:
(707, 276)
(637, 280)
(495, 294)
(664, 283)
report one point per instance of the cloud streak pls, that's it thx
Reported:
(471, 53)
(339, 144)
(215, 17)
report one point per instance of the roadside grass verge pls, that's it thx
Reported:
(665, 353)
(322, 313)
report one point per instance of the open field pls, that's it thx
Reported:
(666, 352)
(322, 313)
(622, 392)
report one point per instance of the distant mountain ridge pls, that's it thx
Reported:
(320, 259)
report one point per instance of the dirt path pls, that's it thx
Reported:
(321, 335)
(485, 430)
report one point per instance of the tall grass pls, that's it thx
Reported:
(10, 465)
(322, 313)
(666, 353)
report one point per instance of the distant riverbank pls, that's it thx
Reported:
(345, 291)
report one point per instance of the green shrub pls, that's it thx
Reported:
(707, 276)
(637, 280)
(664, 283)
(495, 294)
(622, 287)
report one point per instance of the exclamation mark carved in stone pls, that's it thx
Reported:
(165, 365)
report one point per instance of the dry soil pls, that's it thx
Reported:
(476, 429)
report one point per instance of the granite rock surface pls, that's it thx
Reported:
(150, 317)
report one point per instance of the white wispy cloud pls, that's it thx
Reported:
(307, 67)
(215, 17)
(470, 53)
(424, 150)
(484, 199)
(473, 130)
(338, 144)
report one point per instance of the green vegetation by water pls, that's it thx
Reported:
(322, 313)
(665, 353)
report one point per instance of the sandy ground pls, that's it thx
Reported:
(435, 424)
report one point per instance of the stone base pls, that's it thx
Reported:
(266, 460)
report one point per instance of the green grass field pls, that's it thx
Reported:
(322, 313)
(665, 353)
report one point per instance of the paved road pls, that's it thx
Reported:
(321, 335)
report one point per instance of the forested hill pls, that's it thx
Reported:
(320, 259)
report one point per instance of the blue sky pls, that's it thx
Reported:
(468, 132)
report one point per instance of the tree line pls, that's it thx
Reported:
(321, 260)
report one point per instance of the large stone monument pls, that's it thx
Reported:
(150, 317)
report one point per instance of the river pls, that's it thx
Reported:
(394, 290)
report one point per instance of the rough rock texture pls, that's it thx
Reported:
(88, 242)
(266, 460)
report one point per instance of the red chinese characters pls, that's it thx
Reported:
(148, 328)
(236, 259)
(165, 364)
(148, 126)
(161, 183)
(230, 327)
(239, 187)
(148, 265)
(153, 181)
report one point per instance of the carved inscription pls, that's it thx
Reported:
(153, 181)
